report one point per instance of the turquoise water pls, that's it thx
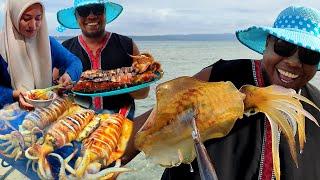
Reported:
(186, 58)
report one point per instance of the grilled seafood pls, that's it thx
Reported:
(61, 133)
(93, 125)
(42, 117)
(100, 80)
(35, 121)
(145, 77)
(145, 62)
(116, 75)
(107, 143)
(9, 112)
(143, 69)
(166, 137)
(104, 146)
(14, 140)
(90, 86)
(13, 143)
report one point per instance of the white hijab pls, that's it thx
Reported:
(29, 59)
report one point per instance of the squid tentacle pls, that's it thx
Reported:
(300, 120)
(275, 147)
(277, 117)
(287, 103)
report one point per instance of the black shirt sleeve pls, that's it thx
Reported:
(237, 71)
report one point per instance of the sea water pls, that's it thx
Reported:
(186, 58)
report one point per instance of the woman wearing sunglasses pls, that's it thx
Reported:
(291, 54)
(28, 54)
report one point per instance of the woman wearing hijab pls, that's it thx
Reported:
(28, 54)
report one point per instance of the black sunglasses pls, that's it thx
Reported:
(286, 49)
(96, 9)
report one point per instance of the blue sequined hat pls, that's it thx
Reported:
(66, 17)
(297, 25)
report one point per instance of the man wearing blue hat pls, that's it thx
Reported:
(291, 55)
(100, 49)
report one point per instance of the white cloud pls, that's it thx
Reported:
(145, 17)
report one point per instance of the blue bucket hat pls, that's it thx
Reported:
(297, 25)
(66, 17)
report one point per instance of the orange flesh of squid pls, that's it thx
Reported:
(166, 135)
(107, 143)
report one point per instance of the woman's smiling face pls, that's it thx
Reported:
(288, 72)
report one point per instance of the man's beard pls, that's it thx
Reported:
(96, 34)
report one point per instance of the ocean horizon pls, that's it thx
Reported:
(175, 37)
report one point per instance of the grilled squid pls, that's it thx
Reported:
(166, 135)
(61, 133)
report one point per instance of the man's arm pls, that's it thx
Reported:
(140, 94)
(204, 74)
(131, 150)
(135, 49)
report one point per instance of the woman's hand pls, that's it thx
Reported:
(15, 95)
(55, 74)
(23, 104)
(65, 80)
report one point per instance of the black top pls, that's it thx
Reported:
(237, 156)
(114, 55)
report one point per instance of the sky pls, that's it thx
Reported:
(162, 17)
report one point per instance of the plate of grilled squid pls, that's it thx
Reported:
(143, 72)
(64, 141)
